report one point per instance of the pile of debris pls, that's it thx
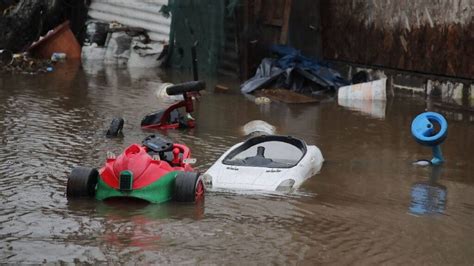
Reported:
(294, 78)
(22, 63)
(55, 45)
(23, 49)
(294, 71)
(117, 44)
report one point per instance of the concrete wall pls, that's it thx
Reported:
(429, 36)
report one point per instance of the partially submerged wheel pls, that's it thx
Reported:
(81, 183)
(115, 127)
(189, 187)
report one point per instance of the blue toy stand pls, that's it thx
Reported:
(430, 129)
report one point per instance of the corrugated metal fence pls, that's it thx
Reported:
(134, 13)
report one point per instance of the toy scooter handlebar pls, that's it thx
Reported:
(186, 87)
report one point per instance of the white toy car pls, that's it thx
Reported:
(266, 163)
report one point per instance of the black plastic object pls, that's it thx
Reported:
(185, 186)
(115, 128)
(157, 143)
(126, 181)
(186, 87)
(6, 57)
(81, 182)
(155, 118)
(258, 160)
(152, 118)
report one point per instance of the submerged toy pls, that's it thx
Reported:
(430, 129)
(171, 117)
(156, 171)
(267, 162)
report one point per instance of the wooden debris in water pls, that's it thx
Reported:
(285, 96)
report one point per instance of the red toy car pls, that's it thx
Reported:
(156, 171)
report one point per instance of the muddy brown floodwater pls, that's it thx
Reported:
(368, 205)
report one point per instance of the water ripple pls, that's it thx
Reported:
(356, 211)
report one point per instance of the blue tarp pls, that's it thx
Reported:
(291, 70)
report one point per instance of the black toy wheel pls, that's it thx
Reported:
(115, 127)
(186, 87)
(189, 187)
(81, 182)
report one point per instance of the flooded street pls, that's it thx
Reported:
(369, 204)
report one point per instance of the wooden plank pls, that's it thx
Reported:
(269, 9)
(243, 14)
(257, 7)
(274, 22)
(286, 20)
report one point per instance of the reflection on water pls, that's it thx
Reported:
(353, 212)
(429, 197)
(375, 108)
(133, 224)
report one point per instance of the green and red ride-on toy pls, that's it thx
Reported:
(157, 171)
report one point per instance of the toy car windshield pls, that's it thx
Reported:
(267, 151)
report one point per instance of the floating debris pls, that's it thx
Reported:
(285, 96)
(24, 64)
(258, 127)
(262, 100)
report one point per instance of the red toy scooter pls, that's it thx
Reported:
(171, 117)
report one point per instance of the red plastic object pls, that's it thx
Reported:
(176, 160)
(59, 40)
(199, 191)
(145, 169)
(187, 103)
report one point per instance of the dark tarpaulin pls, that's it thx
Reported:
(295, 72)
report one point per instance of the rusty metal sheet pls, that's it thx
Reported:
(422, 36)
